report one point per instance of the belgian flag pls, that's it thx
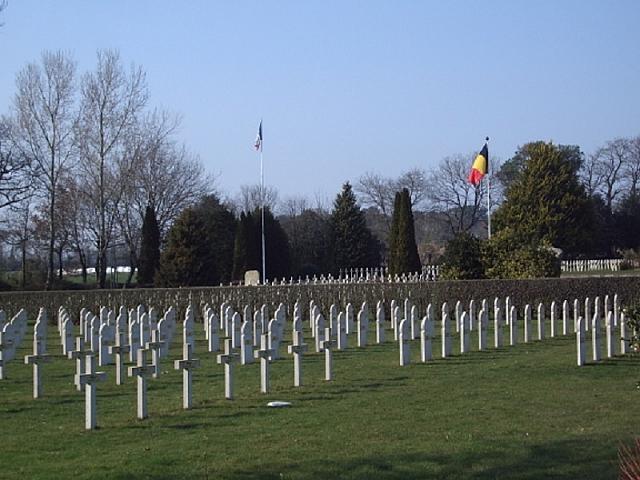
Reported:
(480, 165)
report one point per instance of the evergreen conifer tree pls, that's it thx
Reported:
(187, 259)
(408, 258)
(403, 251)
(220, 225)
(392, 258)
(149, 259)
(352, 243)
(546, 202)
(245, 253)
(278, 261)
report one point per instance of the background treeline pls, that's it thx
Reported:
(93, 176)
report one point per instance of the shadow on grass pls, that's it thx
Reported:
(558, 460)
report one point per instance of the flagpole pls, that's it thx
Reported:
(488, 196)
(264, 263)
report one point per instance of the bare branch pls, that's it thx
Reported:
(44, 110)
(250, 198)
(451, 193)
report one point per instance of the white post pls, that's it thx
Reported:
(611, 346)
(497, 328)
(425, 338)
(446, 336)
(482, 329)
(580, 340)
(527, 323)
(464, 333)
(380, 324)
(264, 261)
(541, 321)
(595, 337)
(513, 326)
(553, 315)
(488, 201)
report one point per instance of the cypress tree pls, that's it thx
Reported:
(149, 259)
(408, 235)
(403, 256)
(352, 243)
(392, 257)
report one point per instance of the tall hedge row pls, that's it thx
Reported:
(520, 291)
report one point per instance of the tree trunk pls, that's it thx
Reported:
(102, 240)
(52, 232)
(102, 262)
(132, 267)
(60, 263)
(83, 264)
(23, 282)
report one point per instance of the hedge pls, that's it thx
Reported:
(422, 293)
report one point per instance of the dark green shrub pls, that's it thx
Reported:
(505, 257)
(632, 319)
(462, 259)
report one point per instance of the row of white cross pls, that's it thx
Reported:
(407, 328)
(259, 338)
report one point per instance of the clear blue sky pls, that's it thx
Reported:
(346, 87)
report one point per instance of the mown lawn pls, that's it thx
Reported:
(524, 412)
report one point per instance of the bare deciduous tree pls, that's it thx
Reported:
(416, 181)
(379, 192)
(632, 168)
(3, 5)
(293, 206)
(75, 218)
(111, 101)
(451, 193)
(607, 165)
(376, 191)
(16, 179)
(250, 198)
(19, 231)
(45, 111)
(164, 175)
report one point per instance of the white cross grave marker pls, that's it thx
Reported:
(39, 356)
(78, 355)
(186, 364)
(228, 359)
(155, 346)
(327, 346)
(119, 350)
(141, 370)
(297, 350)
(264, 354)
(88, 381)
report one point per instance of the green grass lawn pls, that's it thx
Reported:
(524, 412)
